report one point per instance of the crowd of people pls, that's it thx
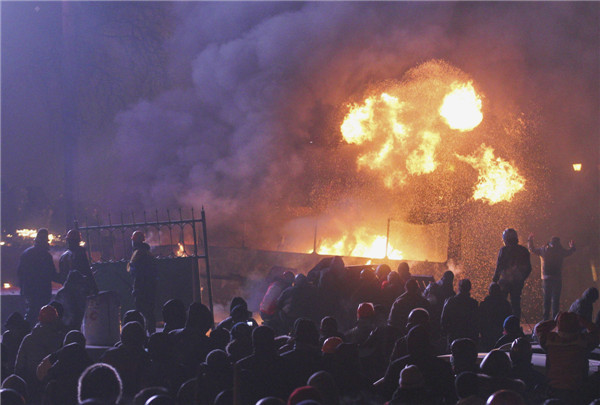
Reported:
(335, 335)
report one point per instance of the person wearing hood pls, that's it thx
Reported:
(405, 303)
(45, 338)
(36, 272)
(584, 306)
(512, 269)
(238, 312)
(512, 330)
(551, 256)
(567, 351)
(142, 268)
(493, 310)
(191, 343)
(437, 373)
(460, 316)
(75, 258)
(16, 329)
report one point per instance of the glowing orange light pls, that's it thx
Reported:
(359, 243)
(498, 180)
(577, 167)
(461, 108)
(6, 285)
(181, 251)
(32, 233)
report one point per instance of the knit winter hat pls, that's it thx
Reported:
(411, 377)
(47, 314)
(304, 393)
(365, 310)
(330, 344)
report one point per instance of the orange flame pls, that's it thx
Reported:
(180, 251)
(360, 243)
(393, 130)
(461, 108)
(498, 179)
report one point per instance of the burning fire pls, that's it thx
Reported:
(399, 138)
(461, 107)
(31, 234)
(498, 179)
(360, 243)
(180, 251)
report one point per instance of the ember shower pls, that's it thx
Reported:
(250, 122)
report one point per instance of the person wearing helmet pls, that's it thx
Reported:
(512, 269)
(551, 256)
(142, 268)
(36, 272)
(75, 258)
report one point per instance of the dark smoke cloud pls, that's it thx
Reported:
(250, 128)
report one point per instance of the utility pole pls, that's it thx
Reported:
(71, 126)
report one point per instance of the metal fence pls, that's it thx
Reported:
(172, 238)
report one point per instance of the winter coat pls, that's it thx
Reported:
(513, 264)
(43, 340)
(36, 272)
(551, 257)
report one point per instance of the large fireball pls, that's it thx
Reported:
(462, 107)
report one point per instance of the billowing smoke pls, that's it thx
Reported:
(250, 127)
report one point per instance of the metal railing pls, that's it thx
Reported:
(105, 243)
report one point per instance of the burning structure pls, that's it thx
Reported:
(406, 130)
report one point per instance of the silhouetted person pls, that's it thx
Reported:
(493, 310)
(408, 301)
(101, 382)
(437, 293)
(497, 367)
(460, 316)
(72, 296)
(512, 330)
(324, 382)
(164, 370)
(298, 301)
(551, 256)
(392, 289)
(130, 359)
(418, 316)
(566, 352)
(512, 269)
(464, 356)
(584, 306)
(191, 343)
(365, 323)
(36, 272)
(329, 328)
(238, 312)
(536, 383)
(305, 358)
(173, 312)
(240, 345)
(411, 388)
(215, 375)
(268, 305)
(75, 258)
(143, 270)
(67, 364)
(16, 329)
(261, 374)
(467, 389)
(404, 273)
(45, 338)
(437, 373)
